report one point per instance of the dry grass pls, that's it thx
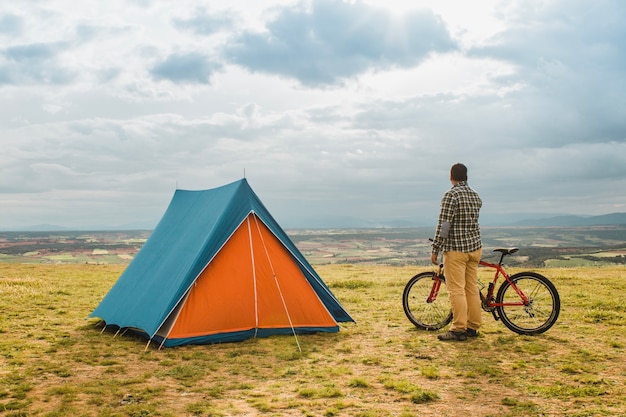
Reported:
(54, 362)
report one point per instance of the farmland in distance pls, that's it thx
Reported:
(539, 246)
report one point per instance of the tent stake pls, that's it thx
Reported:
(297, 341)
(147, 345)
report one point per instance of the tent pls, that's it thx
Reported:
(218, 268)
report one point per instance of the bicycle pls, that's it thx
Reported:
(526, 302)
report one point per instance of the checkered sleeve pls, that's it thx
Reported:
(448, 207)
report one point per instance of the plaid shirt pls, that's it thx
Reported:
(459, 206)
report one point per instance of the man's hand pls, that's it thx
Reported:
(433, 258)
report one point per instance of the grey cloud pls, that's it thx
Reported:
(203, 22)
(581, 36)
(566, 30)
(570, 57)
(34, 63)
(384, 172)
(11, 24)
(551, 138)
(514, 154)
(336, 40)
(34, 53)
(185, 68)
(503, 128)
(87, 32)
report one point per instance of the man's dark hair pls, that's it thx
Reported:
(458, 172)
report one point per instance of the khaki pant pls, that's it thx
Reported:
(461, 272)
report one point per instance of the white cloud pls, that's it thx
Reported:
(353, 108)
(330, 41)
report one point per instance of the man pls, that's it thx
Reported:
(458, 236)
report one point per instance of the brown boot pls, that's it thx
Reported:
(453, 336)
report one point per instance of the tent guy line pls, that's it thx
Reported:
(269, 259)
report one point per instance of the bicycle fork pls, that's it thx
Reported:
(434, 291)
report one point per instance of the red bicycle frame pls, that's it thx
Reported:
(500, 271)
(434, 291)
(489, 300)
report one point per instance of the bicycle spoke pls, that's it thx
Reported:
(543, 304)
(535, 292)
(422, 313)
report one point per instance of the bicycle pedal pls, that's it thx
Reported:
(495, 315)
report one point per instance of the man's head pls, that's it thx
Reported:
(458, 172)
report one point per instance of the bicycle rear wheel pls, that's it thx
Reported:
(542, 311)
(426, 315)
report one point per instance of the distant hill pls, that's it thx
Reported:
(40, 228)
(488, 219)
(57, 228)
(348, 222)
(570, 220)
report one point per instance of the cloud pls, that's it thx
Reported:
(11, 24)
(107, 110)
(33, 53)
(570, 58)
(34, 63)
(331, 41)
(562, 30)
(204, 23)
(190, 67)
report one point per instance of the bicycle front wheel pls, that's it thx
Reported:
(542, 310)
(424, 313)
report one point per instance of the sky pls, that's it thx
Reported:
(336, 112)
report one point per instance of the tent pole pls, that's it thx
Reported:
(293, 330)
(256, 302)
(147, 345)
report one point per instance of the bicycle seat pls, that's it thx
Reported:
(506, 251)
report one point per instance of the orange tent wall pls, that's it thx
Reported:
(223, 298)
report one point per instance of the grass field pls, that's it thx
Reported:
(56, 362)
